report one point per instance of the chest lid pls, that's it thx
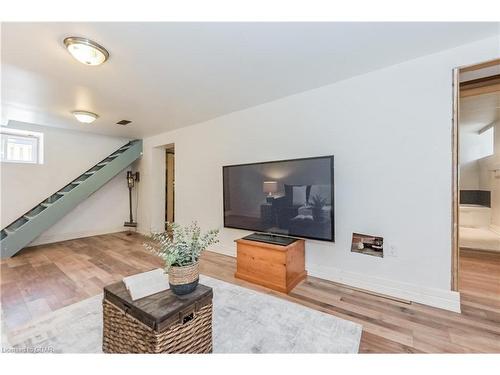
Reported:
(161, 310)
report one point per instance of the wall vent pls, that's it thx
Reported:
(124, 122)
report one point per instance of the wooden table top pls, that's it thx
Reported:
(161, 309)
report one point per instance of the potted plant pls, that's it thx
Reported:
(317, 204)
(180, 247)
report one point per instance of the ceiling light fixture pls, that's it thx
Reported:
(86, 51)
(85, 117)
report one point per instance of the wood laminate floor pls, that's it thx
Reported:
(45, 278)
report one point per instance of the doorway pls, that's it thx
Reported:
(169, 185)
(476, 261)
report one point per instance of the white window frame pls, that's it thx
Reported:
(38, 154)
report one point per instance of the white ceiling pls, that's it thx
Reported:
(167, 75)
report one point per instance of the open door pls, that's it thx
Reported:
(476, 198)
(170, 185)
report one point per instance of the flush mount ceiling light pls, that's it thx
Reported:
(86, 51)
(85, 117)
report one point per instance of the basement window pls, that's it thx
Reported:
(21, 146)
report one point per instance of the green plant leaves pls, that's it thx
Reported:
(181, 245)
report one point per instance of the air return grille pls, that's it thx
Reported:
(124, 122)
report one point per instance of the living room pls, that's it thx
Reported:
(311, 194)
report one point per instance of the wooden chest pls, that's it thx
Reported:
(160, 323)
(274, 266)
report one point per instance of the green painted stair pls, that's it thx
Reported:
(30, 225)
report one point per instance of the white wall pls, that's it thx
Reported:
(469, 175)
(489, 179)
(390, 132)
(468, 160)
(67, 155)
(472, 148)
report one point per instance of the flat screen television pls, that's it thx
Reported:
(287, 197)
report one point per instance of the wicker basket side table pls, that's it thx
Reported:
(161, 323)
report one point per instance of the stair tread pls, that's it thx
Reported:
(12, 238)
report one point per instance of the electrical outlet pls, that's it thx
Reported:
(392, 251)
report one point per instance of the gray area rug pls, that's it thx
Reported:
(244, 321)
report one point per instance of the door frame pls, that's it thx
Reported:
(170, 183)
(455, 255)
(455, 258)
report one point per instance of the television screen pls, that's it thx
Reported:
(288, 197)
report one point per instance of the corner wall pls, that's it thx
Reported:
(67, 154)
(390, 132)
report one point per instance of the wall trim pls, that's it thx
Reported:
(51, 238)
(443, 299)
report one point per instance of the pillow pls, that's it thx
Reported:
(299, 195)
(323, 191)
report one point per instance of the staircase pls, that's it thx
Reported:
(26, 228)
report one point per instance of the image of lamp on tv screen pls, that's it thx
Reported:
(270, 188)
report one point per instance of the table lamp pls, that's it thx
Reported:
(270, 188)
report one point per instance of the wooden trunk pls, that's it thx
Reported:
(274, 266)
(160, 323)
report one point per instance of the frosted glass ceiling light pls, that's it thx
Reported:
(85, 117)
(86, 51)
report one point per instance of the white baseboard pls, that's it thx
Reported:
(224, 250)
(46, 239)
(443, 299)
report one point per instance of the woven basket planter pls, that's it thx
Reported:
(184, 280)
(122, 333)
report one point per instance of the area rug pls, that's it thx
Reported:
(244, 321)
